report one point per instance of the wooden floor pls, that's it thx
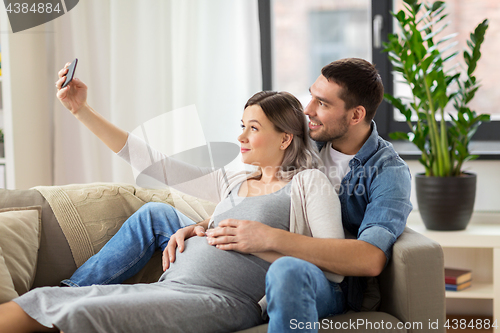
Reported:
(468, 319)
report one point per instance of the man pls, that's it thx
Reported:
(373, 184)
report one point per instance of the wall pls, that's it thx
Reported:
(27, 105)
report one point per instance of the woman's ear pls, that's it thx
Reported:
(286, 140)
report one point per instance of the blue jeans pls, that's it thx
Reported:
(128, 251)
(298, 293)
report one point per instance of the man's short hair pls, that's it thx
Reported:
(360, 81)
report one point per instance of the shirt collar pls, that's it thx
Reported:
(369, 147)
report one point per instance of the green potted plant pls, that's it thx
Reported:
(445, 193)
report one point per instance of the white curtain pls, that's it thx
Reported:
(142, 59)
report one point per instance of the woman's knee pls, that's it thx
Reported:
(155, 207)
(161, 218)
(152, 212)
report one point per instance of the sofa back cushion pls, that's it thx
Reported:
(7, 290)
(55, 262)
(19, 242)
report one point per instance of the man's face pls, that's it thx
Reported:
(328, 118)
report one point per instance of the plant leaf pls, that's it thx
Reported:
(399, 136)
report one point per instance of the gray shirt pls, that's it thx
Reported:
(234, 273)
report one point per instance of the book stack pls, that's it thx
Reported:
(457, 279)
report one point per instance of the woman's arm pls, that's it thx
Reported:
(320, 206)
(74, 98)
(200, 182)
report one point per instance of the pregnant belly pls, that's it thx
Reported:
(204, 265)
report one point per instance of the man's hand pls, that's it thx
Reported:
(177, 240)
(240, 235)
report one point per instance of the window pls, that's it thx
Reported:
(306, 35)
(463, 17)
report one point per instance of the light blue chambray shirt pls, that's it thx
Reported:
(375, 199)
(375, 194)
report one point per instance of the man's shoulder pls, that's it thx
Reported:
(385, 164)
(385, 154)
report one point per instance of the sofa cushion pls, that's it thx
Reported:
(90, 214)
(55, 261)
(7, 290)
(19, 242)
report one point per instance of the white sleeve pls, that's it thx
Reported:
(204, 183)
(323, 208)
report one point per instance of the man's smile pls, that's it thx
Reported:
(313, 125)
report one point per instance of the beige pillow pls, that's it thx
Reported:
(7, 291)
(19, 242)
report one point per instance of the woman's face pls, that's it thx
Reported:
(260, 141)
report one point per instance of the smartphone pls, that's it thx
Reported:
(71, 73)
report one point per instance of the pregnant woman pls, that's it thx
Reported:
(206, 289)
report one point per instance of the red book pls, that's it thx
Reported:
(457, 276)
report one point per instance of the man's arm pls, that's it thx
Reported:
(384, 220)
(349, 257)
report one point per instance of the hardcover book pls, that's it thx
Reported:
(458, 287)
(456, 276)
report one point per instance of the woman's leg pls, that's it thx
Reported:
(13, 319)
(128, 251)
(299, 293)
(155, 307)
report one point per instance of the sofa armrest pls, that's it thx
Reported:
(412, 284)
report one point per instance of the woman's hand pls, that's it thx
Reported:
(177, 240)
(74, 98)
(74, 95)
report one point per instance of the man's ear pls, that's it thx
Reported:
(358, 115)
(286, 141)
